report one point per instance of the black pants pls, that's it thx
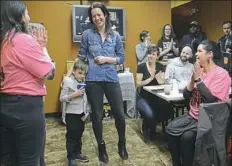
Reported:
(24, 121)
(75, 128)
(182, 148)
(95, 92)
(4, 146)
(42, 160)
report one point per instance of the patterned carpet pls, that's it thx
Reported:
(153, 153)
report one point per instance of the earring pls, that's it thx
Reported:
(208, 60)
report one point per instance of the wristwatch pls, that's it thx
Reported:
(197, 80)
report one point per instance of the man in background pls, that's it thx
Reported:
(227, 55)
(194, 38)
(226, 25)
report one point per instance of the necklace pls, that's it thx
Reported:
(149, 68)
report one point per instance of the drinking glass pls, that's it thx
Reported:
(167, 89)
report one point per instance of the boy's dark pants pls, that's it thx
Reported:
(75, 128)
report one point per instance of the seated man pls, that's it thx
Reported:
(179, 68)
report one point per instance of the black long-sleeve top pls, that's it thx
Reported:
(204, 92)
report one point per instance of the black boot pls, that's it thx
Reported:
(144, 131)
(122, 150)
(72, 162)
(153, 132)
(102, 155)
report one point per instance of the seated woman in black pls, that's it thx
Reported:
(152, 109)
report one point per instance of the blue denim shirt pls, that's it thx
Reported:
(92, 45)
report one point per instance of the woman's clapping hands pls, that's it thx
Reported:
(41, 36)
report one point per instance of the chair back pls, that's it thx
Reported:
(210, 147)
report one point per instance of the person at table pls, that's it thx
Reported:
(168, 44)
(151, 108)
(179, 68)
(209, 83)
(141, 48)
(103, 49)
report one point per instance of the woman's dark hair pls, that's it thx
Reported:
(104, 10)
(153, 48)
(143, 34)
(12, 13)
(172, 35)
(213, 47)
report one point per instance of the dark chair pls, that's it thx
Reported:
(180, 106)
(212, 128)
(229, 140)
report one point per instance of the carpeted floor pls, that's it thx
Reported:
(152, 153)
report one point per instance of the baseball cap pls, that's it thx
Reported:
(194, 23)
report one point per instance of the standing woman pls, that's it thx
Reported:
(209, 83)
(25, 64)
(103, 48)
(168, 44)
(141, 48)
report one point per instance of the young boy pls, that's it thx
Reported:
(73, 94)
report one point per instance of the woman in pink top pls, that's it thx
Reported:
(25, 64)
(209, 83)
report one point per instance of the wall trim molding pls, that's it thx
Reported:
(175, 3)
(53, 115)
